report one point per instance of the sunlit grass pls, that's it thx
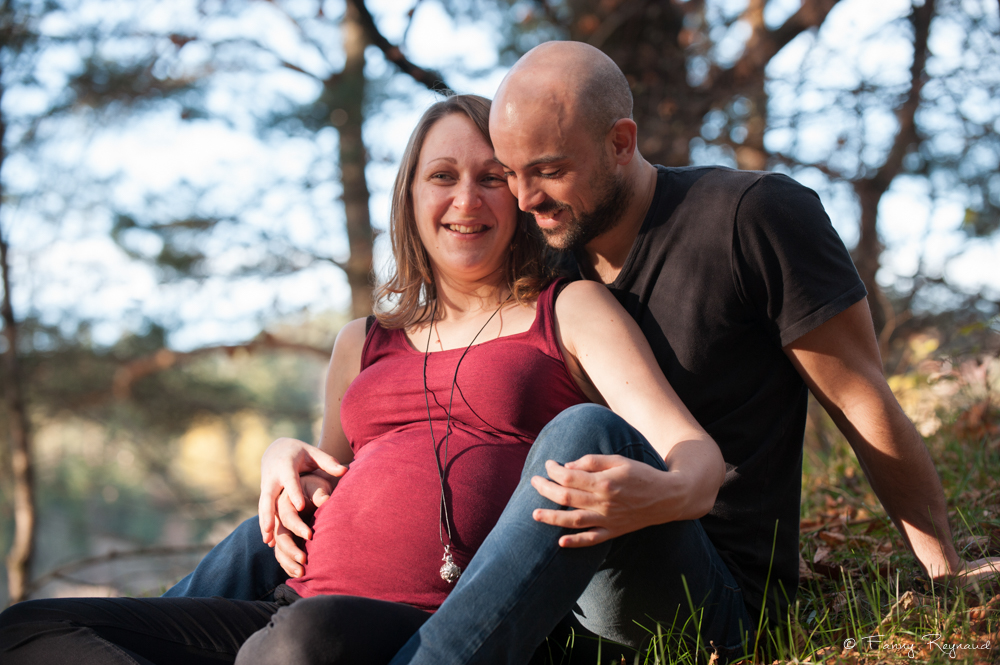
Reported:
(862, 597)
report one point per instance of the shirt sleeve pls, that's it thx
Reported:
(791, 267)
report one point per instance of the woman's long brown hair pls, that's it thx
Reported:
(409, 289)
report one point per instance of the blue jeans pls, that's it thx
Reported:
(521, 583)
(241, 567)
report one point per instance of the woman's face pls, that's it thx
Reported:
(464, 210)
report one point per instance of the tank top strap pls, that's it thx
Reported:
(543, 330)
(380, 342)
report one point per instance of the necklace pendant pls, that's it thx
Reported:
(450, 572)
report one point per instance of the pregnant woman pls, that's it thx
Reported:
(435, 407)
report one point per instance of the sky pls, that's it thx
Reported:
(73, 271)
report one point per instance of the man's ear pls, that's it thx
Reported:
(623, 136)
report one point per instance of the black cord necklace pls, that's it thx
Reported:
(450, 572)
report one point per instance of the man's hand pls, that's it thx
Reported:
(612, 495)
(289, 527)
(981, 572)
(280, 467)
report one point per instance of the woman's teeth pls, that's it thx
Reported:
(466, 229)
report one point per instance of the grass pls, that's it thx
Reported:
(862, 588)
(863, 599)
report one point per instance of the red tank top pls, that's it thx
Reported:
(377, 535)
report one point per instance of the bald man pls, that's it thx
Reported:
(749, 299)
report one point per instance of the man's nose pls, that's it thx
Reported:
(528, 195)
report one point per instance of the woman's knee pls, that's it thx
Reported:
(585, 429)
(26, 630)
(28, 611)
(311, 631)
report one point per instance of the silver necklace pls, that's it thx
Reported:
(450, 571)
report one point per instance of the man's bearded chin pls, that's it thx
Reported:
(586, 226)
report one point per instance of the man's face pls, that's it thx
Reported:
(560, 174)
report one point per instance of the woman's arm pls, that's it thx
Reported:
(285, 459)
(612, 362)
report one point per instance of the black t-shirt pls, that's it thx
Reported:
(729, 267)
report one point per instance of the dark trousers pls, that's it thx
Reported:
(209, 631)
(323, 630)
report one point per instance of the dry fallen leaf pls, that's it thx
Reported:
(907, 602)
(805, 572)
(832, 538)
(974, 543)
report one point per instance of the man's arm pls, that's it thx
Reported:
(840, 362)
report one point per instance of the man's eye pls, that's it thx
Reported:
(509, 174)
(549, 174)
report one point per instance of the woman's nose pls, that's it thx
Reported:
(467, 196)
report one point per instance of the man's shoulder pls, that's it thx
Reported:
(715, 177)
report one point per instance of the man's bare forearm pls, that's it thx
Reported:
(902, 474)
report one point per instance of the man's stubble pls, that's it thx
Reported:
(605, 216)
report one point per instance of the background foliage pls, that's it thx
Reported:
(192, 193)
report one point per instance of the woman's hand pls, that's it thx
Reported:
(289, 528)
(280, 469)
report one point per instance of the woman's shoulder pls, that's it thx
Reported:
(583, 294)
(351, 339)
(353, 332)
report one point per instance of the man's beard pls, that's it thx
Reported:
(586, 226)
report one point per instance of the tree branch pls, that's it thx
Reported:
(79, 564)
(617, 18)
(764, 44)
(822, 167)
(428, 77)
(126, 375)
(907, 136)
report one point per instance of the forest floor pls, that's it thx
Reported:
(863, 599)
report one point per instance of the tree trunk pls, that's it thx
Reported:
(353, 159)
(19, 556)
(868, 252)
(654, 43)
(870, 190)
(751, 155)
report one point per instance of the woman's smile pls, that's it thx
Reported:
(466, 229)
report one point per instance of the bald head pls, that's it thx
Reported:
(575, 82)
(561, 125)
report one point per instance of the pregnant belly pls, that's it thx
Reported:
(378, 535)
